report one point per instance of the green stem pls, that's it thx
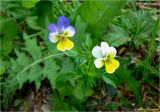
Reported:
(151, 45)
(33, 35)
(38, 61)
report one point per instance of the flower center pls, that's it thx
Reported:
(109, 56)
(108, 60)
(65, 34)
(62, 38)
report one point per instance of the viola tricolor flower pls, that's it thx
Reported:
(105, 56)
(61, 33)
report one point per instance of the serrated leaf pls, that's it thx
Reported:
(38, 84)
(67, 66)
(138, 23)
(117, 36)
(80, 36)
(98, 14)
(35, 74)
(18, 64)
(51, 71)
(20, 79)
(32, 47)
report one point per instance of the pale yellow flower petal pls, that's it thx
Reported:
(65, 44)
(99, 62)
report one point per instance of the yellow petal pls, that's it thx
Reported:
(69, 44)
(65, 44)
(111, 55)
(115, 63)
(111, 65)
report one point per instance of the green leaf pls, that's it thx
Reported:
(9, 30)
(80, 93)
(51, 71)
(29, 3)
(88, 41)
(138, 24)
(45, 13)
(67, 66)
(117, 36)
(98, 14)
(2, 69)
(108, 80)
(20, 62)
(20, 80)
(32, 22)
(32, 47)
(80, 36)
(71, 53)
(66, 77)
(151, 46)
(35, 74)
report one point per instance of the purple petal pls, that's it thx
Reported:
(63, 22)
(53, 27)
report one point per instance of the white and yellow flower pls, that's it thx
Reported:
(105, 56)
(61, 33)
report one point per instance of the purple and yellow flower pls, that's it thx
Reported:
(61, 32)
(105, 56)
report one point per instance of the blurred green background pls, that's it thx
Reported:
(35, 76)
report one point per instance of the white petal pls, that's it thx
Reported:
(97, 52)
(53, 37)
(104, 46)
(69, 31)
(111, 52)
(99, 62)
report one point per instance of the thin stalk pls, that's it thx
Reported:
(36, 34)
(152, 43)
(38, 61)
